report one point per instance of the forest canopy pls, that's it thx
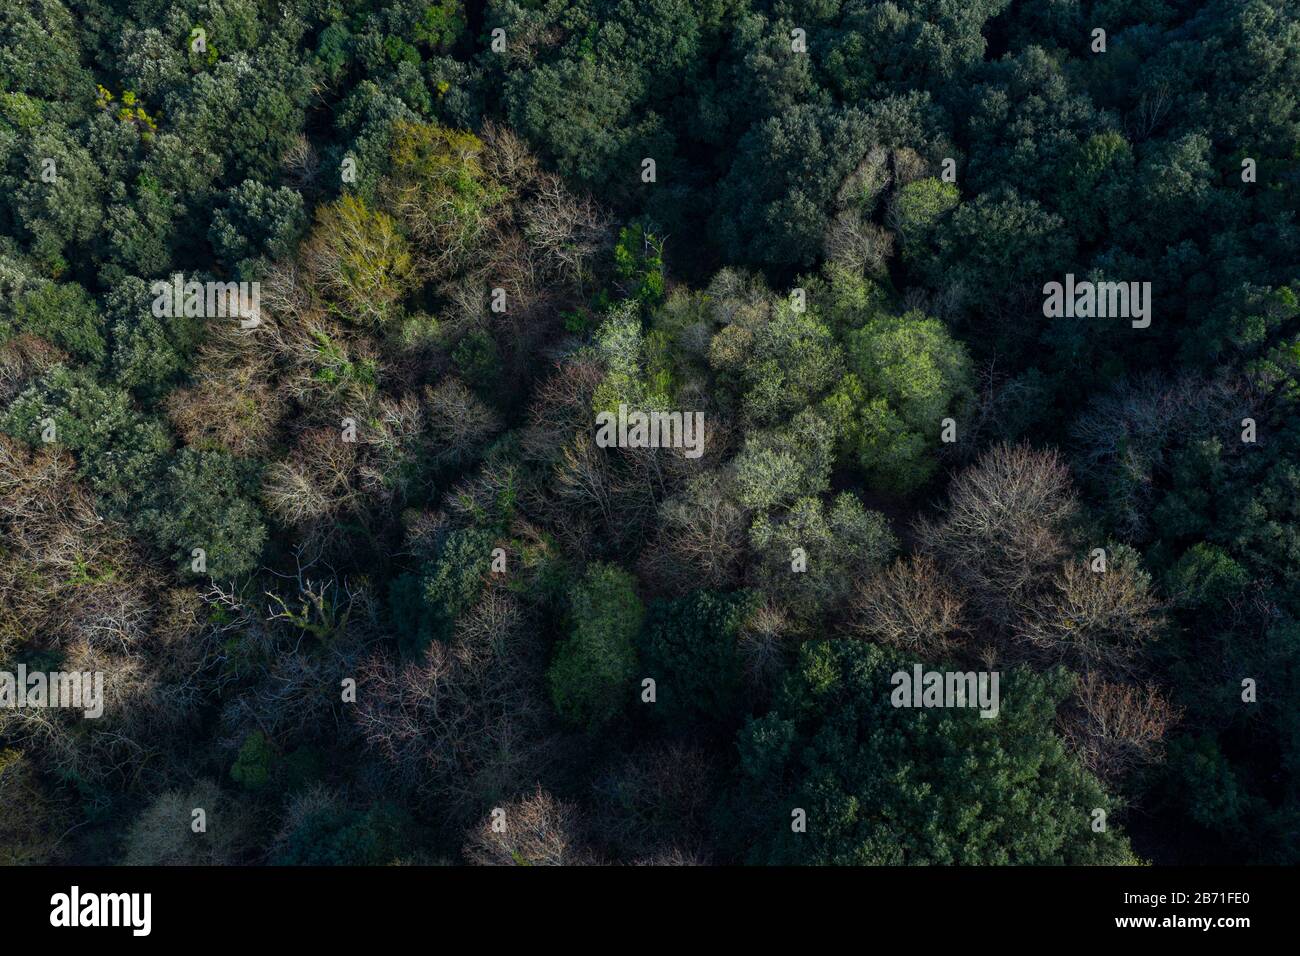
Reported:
(308, 314)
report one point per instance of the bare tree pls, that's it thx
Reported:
(464, 721)
(31, 817)
(317, 481)
(390, 445)
(65, 572)
(566, 231)
(1152, 107)
(301, 163)
(764, 643)
(701, 538)
(1123, 438)
(1093, 618)
(560, 407)
(659, 796)
(301, 639)
(536, 830)
(232, 401)
(674, 856)
(459, 423)
(857, 244)
(1117, 728)
(506, 158)
(909, 606)
(1003, 530)
(163, 834)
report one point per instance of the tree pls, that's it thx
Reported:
(690, 648)
(63, 314)
(1005, 527)
(252, 766)
(449, 585)
(785, 360)
(910, 607)
(591, 672)
(772, 204)
(536, 830)
(29, 815)
(442, 24)
(916, 207)
(1094, 619)
(163, 834)
(149, 352)
(206, 502)
(886, 785)
(577, 110)
(438, 190)
(42, 54)
(462, 722)
(779, 465)
(258, 224)
(341, 836)
(119, 450)
(62, 215)
(359, 260)
(808, 556)
(910, 375)
(995, 250)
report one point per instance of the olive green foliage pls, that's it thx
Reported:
(252, 766)
(909, 376)
(360, 259)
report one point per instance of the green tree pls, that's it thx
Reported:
(338, 836)
(427, 606)
(593, 667)
(911, 374)
(252, 766)
(360, 260)
(690, 651)
(64, 315)
(120, 451)
(258, 226)
(834, 547)
(207, 501)
(883, 785)
(778, 465)
(918, 206)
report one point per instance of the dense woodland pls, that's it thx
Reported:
(799, 268)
